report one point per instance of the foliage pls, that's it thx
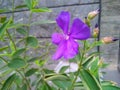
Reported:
(21, 70)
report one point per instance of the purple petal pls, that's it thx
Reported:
(57, 38)
(79, 30)
(63, 20)
(72, 49)
(60, 50)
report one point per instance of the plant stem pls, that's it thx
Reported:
(4, 60)
(79, 65)
(28, 28)
(9, 36)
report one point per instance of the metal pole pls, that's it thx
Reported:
(99, 22)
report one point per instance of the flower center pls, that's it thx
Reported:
(67, 37)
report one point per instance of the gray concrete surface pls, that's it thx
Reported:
(110, 26)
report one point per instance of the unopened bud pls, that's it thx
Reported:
(95, 31)
(93, 14)
(107, 40)
(87, 21)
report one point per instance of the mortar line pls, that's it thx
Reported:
(77, 4)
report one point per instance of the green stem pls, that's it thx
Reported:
(28, 28)
(79, 65)
(9, 36)
(4, 60)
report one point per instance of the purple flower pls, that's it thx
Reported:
(66, 41)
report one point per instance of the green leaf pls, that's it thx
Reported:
(42, 22)
(89, 58)
(16, 63)
(94, 67)
(30, 72)
(29, 3)
(18, 52)
(105, 83)
(22, 31)
(33, 59)
(32, 41)
(41, 10)
(18, 80)
(63, 69)
(2, 19)
(52, 77)
(40, 62)
(16, 25)
(12, 46)
(89, 80)
(3, 10)
(3, 48)
(62, 84)
(20, 6)
(47, 71)
(4, 27)
(8, 82)
(110, 87)
(24, 87)
(94, 64)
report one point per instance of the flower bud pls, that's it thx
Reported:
(107, 40)
(95, 31)
(93, 14)
(87, 21)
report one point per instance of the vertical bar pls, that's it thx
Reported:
(119, 53)
(99, 23)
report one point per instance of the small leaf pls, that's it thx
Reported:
(62, 84)
(16, 63)
(63, 69)
(3, 10)
(8, 82)
(3, 48)
(30, 72)
(4, 27)
(2, 19)
(110, 87)
(22, 31)
(52, 77)
(20, 6)
(89, 81)
(33, 59)
(18, 52)
(42, 22)
(32, 41)
(41, 10)
(12, 46)
(24, 87)
(40, 62)
(29, 3)
(16, 25)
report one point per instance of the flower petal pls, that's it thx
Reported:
(60, 50)
(57, 38)
(79, 30)
(63, 20)
(72, 49)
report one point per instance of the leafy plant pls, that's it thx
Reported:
(22, 67)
